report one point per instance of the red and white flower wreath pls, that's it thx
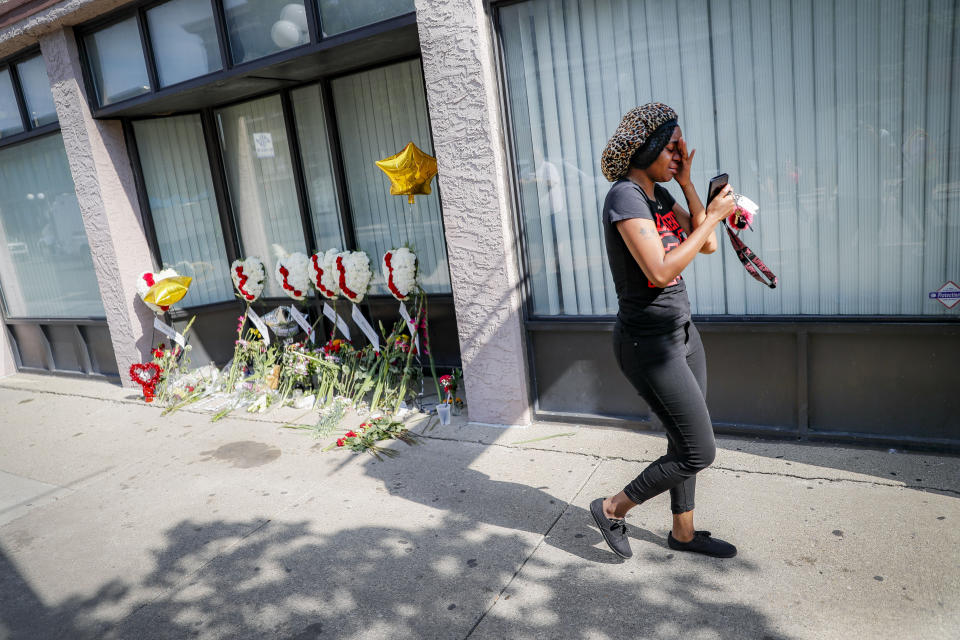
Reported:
(400, 271)
(248, 276)
(353, 269)
(323, 273)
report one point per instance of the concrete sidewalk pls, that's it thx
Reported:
(116, 522)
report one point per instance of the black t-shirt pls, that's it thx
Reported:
(644, 307)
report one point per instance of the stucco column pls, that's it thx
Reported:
(8, 365)
(460, 73)
(108, 202)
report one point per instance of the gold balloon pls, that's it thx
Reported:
(169, 291)
(410, 172)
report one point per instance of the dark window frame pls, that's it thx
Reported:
(10, 63)
(231, 235)
(29, 134)
(36, 134)
(316, 43)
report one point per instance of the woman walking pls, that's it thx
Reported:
(650, 240)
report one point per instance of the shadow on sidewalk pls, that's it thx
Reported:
(285, 581)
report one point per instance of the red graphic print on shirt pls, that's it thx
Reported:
(671, 235)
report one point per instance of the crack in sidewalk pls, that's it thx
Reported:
(533, 551)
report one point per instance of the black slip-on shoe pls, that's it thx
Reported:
(703, 543)
(614, 530)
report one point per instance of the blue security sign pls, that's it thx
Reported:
(948, 295)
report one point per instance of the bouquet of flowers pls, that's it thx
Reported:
(248, 276)
(400, 271)
(353, 271)
(322, 270)
(291, 275)
(450, 384)
(377, 429)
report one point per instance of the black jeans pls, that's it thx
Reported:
(669, 371)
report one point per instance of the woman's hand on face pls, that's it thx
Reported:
(723, 206)
(685, 162)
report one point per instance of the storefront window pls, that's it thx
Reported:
(36, 91)
(337, 16)
(850, 148)
(378, 113)
(260, 28)
(183, 206)
(10, 122)
(116, 62)
(318, 167)
(45, 262)
(260, 178)
(184, 40)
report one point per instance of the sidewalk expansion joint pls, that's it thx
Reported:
(533, 551)
(715, 467)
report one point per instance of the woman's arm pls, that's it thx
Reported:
(660, 267)
(690, 221)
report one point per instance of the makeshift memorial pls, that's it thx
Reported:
(291, 275)
(335, 381)
(410, 172)
(248, 276)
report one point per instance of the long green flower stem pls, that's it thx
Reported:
(232, 379)
(383, 364)
(405, 376)
(426, 345)
(165, 383)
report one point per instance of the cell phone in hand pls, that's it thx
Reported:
(716, 186)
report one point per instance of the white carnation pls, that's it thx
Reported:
(251, 286)
(322, 270)
(400, 272)
(354, 267)
(291, 275)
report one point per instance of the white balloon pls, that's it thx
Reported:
(285, 34)
(297, 14)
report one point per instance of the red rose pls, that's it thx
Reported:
(351, 434)
(340, 442)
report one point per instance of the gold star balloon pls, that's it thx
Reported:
(168, 291)
(410, 172)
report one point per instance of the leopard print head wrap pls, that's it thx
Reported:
(635, 129)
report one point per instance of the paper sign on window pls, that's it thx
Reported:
(263, 145)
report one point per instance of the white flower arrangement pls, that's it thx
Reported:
(353, 269)
(291, 275)
(248, 276)
(400, 271)
(146, 280)
(323, 273)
